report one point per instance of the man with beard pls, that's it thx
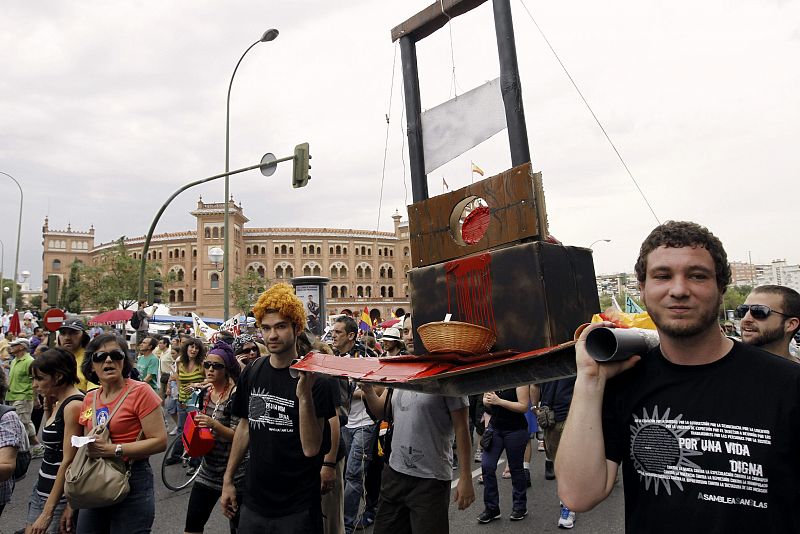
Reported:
(705, 427)
(770, 318)
(72, 337)
(282, 426)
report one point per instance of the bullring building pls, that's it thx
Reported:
(366, 268)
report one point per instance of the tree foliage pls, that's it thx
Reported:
(70, 299)
(8, 283)
(734, 296)
(246, 289)
(113, 279)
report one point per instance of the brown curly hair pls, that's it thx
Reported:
(280, 298)
(678, 234)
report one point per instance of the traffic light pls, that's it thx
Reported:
(51, 287)
(300, 175)
(155, 288)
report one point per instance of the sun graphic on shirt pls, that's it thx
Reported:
(656, 449)
(257, 412)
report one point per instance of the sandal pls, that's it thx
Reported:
(506, 473)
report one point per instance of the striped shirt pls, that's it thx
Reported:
(215, 462)
(53, 441)
(188, 377)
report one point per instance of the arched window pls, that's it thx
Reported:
(359, 272)
(330, 250)
(306, 270)
(194, 274)
(215, 233)
(344, 250)
(317, 270)
(334, 272)
(183, 253)
(391, 253)
(289, 272)
(170, 255)
(390, 272)
(363, 251)
(194, 295)
(194, 253)
(180, 275)
(283, 249)
(222, 232)
(305, 250)
(180, 295)
(338, 249)
(391, 292)
(367, 272)
(261, 271)
(369, 291)
(383, 291)
(385, 251)
(56, 265)
(278, 272)
(208, 232)
(172, 295)
(319, 250)
(160, 255)
(359, 291)
(406, 251)
(277, 250)
(382, 273)
(343, 271)
(380, 252)
(264, 251)
(369, 251)
(247, 251)
(343, 291)
(214, 281)
(334, 292)
(291, 250)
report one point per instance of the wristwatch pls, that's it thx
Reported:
(118, 451)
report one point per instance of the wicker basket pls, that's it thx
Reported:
(455, 336)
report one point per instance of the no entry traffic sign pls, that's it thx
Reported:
(53, 319)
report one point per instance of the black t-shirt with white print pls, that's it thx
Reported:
(280, 479)
(707, 448)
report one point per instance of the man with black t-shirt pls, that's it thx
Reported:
(705, 427)
(282, 426)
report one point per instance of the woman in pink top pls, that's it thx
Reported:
(136, 431)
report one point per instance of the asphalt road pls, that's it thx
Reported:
(543, 508)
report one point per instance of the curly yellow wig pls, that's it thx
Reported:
(281, 298)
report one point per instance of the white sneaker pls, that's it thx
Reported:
(37, 451)
(567, 518)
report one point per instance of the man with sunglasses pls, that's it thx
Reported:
(705, 427)
(770, 318)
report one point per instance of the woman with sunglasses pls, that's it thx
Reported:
(246, 349)
(54, 374)
(221, 371)
(136, 432)
(190, 375)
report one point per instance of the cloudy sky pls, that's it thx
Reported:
(108, 107)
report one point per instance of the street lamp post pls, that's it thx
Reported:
(19, 234)
(268, 35)
(2, 264)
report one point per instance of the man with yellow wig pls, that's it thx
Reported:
(283, 426)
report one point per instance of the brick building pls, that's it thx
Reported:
(365, 267)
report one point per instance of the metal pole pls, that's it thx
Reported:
(2, 268)
(170, 199)
(226, 221)
(19, 235)
(419, 180)
(510, 84)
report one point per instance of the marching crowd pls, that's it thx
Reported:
(302, 453)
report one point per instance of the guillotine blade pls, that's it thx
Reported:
(446, 376)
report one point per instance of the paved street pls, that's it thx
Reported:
(542, 506)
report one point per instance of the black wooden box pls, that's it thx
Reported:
(540, 293)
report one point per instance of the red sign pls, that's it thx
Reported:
(53, 319)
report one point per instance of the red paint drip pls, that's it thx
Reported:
(469, 284)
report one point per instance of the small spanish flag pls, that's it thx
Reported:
(365, 322)
(476, 169)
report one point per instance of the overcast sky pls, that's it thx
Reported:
(108, 107)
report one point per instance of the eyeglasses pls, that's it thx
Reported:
(757, 311)
(251, 349)
(216, 365)
(116, 355)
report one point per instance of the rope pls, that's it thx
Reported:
(453, 82)
(602, 129)
(386, 144)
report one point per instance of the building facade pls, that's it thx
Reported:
(366, 268)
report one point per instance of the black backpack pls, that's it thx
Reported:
(24, 450)
(136, 321)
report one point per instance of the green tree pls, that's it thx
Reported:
(113, 279)
(734, 296)
(70, 299)
(9, 283)
(36, 302)
(246, 289)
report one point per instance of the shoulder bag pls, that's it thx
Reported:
(97, 482)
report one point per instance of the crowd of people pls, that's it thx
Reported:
(304, 453)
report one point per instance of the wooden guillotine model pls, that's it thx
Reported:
(481, 254)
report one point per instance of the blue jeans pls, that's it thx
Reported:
(514, 442)
(358, 444)
(134, 515)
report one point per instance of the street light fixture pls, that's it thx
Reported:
(598, 241)
(267, 36)
(19, 233)
(215, 256)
